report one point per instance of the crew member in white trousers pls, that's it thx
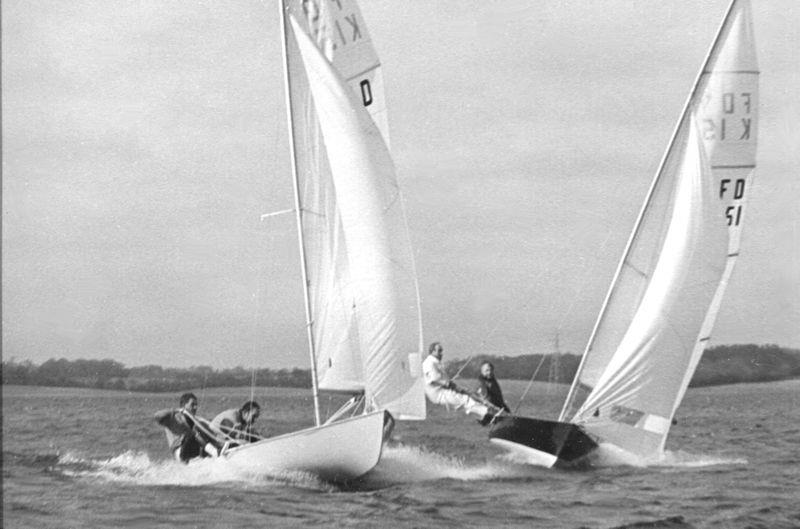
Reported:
(441, 390)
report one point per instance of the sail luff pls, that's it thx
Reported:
(298, 214)
(642, 211)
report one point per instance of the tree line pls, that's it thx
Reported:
(110, 374)
(724, 364)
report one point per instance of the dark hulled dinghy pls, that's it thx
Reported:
(659, 312)
(542, 442)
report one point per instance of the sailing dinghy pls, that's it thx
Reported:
(659, 311)
(361, 296)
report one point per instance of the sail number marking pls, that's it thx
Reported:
(728, 117)
(733, 214)
(727, 126)
(366, 92)
(344, 26)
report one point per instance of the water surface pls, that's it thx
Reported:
(91, 458)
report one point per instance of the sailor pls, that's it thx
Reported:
(489, 388)
(441, 390)
(238, 423)
(184, 433)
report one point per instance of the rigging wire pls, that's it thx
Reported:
(582, 284)
(203, 389)
(528, 387)
(253, 385)
(576, 293)
(259, 293)
(498, 322)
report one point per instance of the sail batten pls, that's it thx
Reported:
(659, 312)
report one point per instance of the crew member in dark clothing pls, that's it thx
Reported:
(183, 435)
(489, 388)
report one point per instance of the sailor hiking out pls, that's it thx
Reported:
(187, 437)
(441, 390)
(489, 387)
(237, 423)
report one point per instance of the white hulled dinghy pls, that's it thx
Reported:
(660, 309)
(360, 286)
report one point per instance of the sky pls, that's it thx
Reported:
(142, 141)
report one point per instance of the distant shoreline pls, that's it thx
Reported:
(724, 364)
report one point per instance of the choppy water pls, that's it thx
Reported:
(86, 458)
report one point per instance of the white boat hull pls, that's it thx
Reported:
(338, 451)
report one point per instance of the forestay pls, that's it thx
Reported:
(660, 310)
(363, 291)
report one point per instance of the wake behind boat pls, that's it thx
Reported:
(659, 311)
(361, 298)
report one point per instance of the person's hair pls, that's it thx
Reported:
(487, 363)
(432, 347)
(249, 405)
(186, 397)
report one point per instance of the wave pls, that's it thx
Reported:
(608, 455)
(685, 459)
(398, 465)
(673, 522)
(136, 468)
(411, 464)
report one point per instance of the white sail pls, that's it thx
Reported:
(362, 305)
(364, 301)
(728, 113)
(660, 310)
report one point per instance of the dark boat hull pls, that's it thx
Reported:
(542, 442)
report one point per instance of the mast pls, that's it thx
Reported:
(646, 204)
(298, 215)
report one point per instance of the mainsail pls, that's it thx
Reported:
(659, 312)
(364, 302)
